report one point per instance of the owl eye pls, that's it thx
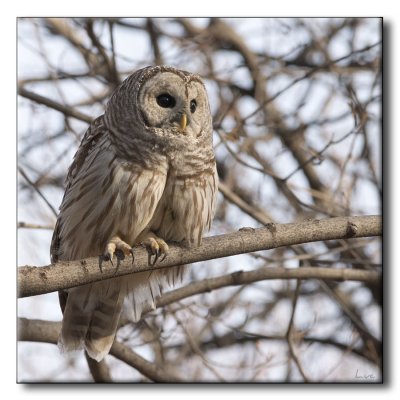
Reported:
(165, 100)
(193, 106)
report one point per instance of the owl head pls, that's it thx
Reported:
(161, 102)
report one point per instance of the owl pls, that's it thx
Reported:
(144, 174)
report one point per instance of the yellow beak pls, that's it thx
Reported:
(183, 121)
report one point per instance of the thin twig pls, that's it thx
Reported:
(34, 226)
(291, 333)
(37, 190)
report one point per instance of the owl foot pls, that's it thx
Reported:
(116, 243)
(154, 245)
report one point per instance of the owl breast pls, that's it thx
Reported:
(186, 207)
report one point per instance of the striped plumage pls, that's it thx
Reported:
(142, 171)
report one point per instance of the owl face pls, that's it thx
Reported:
(175, 104)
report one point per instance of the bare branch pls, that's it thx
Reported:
(27, 225)
(99, 370)
(37, 190)
(246, 277)
(258, 215)
(152, 371)
(35, 330)
(39, 280)
(67, 111)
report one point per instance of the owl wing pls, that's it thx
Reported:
(95, 131)
(105, 196)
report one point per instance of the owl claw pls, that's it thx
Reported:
(133, 256)
(155, 259)
(155, 247)
(114, 244)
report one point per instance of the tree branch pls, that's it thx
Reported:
(66, 110)
(262, 274)
(39, 280)
(36, 330)
(257, 214)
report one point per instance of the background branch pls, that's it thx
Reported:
(48, 331)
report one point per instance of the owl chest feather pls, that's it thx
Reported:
(186, 207)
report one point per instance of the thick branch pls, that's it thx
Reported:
(39, 280)
(35, 330)
(262, 274)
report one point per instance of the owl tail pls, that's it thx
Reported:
(91, 318)
(92, 312)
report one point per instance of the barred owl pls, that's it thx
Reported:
(145, 174)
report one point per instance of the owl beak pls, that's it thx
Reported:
(183, 122)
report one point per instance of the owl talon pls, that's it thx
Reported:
(155, 247)
(133, 256)
(151, 263)
(108, 256)
(155, 259)
(114, 244)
